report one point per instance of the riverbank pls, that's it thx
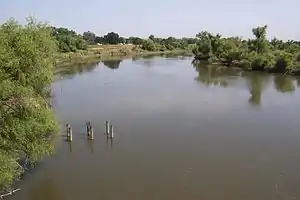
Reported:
(105, 52)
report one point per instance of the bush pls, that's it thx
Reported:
(148, 45)
(26, 71)
(262, 62)
(284, 62)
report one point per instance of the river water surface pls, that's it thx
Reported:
(181, 133)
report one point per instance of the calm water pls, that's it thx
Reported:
(180, 133)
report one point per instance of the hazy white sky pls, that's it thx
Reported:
(162, 17)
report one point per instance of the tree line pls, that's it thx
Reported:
(69, 41)
(254, 54)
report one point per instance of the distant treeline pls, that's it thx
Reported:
(253, 54)
(70, 41)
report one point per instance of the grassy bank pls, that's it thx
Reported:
(104, 52)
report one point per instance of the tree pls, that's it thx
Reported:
(112, 38)
(260, 43)
(68, 40)
(134, 40)
(26, 71)
(99, 40)
(148, 45)
(151, 37)
(89, 37)
(122, 40)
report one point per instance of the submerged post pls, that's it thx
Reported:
(107, 127)
(111, 130)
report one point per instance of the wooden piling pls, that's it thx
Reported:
(88, 129)
(90, 132)
(69, 133)
(107, 127)
(67, 127)
(111, 130)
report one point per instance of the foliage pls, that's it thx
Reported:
(134, 40)
(151, 44)
(148, 45)
(26, 119)
(89, 37)
(256, 54)
(112, 38)
(68, 40)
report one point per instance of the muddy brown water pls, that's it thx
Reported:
(180, 133)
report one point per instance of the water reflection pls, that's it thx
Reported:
(256, 82)
(215, 76)
(90, 145)
(70, 71)
(149, 60)
(112, 64)
(70, 147)
(284, 84)
(146, 60)
(109, 142)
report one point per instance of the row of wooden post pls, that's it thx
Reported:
(90, 132)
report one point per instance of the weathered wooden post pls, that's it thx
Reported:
(69, 133)
(91, 133)
(71, 136)
(107, 127)
(111, 130)
(89, 129)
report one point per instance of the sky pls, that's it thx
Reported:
(162, 18)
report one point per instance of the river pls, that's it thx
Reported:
(180, 133)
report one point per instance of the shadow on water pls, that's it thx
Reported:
(211, 75)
